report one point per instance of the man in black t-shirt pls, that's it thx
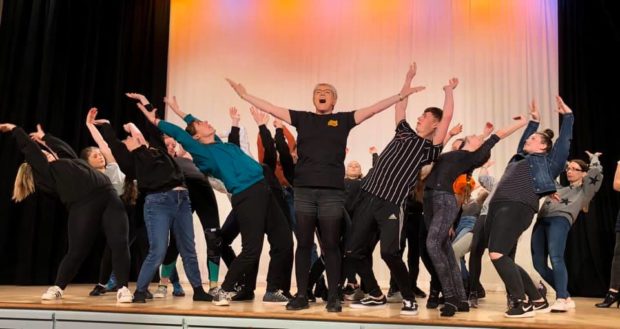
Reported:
(319, 185)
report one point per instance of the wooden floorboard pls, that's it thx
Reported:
(490, 313)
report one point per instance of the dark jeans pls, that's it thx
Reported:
(549, 241)
(615, 265)
(103, 210)
(322, 208)
(440, 212)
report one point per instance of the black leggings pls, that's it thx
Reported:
(505, 223)
(100, 210)
(615, 265)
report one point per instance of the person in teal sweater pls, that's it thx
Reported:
(252, 201)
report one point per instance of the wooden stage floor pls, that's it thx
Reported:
(490, 313)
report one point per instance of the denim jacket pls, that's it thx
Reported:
(545, 167)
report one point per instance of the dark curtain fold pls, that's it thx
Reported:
(589, 39)
(58, 58)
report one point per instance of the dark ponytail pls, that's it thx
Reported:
(547, 139)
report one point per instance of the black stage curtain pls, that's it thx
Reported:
(57, 59)
(589, 36)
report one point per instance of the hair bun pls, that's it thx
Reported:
(549, 133)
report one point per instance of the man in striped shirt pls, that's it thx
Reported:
(384, 192)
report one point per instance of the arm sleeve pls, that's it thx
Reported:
(59, 146)
(531, 128)
(189, 144)
(286, 160)
(593, 181)
(233, 136)
(123, 157)
(114, 173)
(35, 158)
(481, 155)
(269, 146)
(561, 147)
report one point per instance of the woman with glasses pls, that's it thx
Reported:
(555, 218)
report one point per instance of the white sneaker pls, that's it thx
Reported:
(560, 305)
(161, 292)
(222, 297)
(571, 303)
(52, 293)
(124, 295)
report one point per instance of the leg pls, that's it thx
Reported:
(116, 228)
(540, 250)
(558, 234)
(280, 240)
(230, 230)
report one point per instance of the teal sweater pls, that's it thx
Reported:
(224, 161)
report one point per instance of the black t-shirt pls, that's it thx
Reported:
(321, 144)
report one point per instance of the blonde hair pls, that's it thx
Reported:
(24, 183)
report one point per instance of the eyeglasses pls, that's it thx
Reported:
(573, 169)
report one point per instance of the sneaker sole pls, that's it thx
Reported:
(221, 303)
(274, 303)
(543, 311)
(124, 300)
(159, 296)
(525, 315)
(367, 306)
(298, 309)
(410, 313)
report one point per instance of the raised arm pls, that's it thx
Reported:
(286, 159)
(261, 119)
(519, 122)
(91, 119)
(400, 112)
(55, 144)
(277, 111)
(561, 147)
(174, 106)
(594, 179)
(448, 110)
(616, 183)
(234, 134)
(365, 113)
(532, 126)
(453, 132)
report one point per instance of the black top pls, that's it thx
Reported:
(71, 178)
(286, 159)
(516, 185)
(189, 169)
(321, 145)
(396, 171)
(152, 166)
(451, 164)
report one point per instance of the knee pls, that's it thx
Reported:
(557, 260)
(389, 257)
(495, 256)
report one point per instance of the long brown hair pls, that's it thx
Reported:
(130, 192)
(24, 183)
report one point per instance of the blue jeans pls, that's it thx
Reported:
(164, 211)
(549, 240)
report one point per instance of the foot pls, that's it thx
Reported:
(124, 295)
(178, 292)
(149, 295)
(275, 297)
(473, 300)
(433, 299)
(410, 307)
(333, 305)
(298, 303)
(200, 295)
(222, 297)
(520, 309)
(542, 289)
(541, 306)
(244, 295)
(370, 302)
(419, 292)
(98, 290)
(139, 297)
(310, 296)
(52, 293)
(161, 292)
(560, 306)
(394, 296)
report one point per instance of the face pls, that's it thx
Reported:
(457, 144)
(324, 99)
(354, 169)
(574, 173)
(203, 129)
(534, 144)
(96, 159)
(171, 145)
(473, 142)
(426, 125)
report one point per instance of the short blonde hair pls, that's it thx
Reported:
(24, 183)
(329, 86)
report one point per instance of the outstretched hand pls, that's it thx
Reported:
(38, 135)
(91, 117)
(457, 129)
(452, 84)
(139, 97)
(172, 103)
(277, 123)
(534, 114)
(562, 107)
(239, 88)
(488, 129)
(372, 150)
(6, 127)
(260, 117)
(234, 115)
(595, 154)
(151, 116)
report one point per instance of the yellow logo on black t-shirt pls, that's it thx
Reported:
(332, 123)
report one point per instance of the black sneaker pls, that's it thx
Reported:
(541, 307)
(139, 297)
(244, 295)
(370, 302)
(333, 305)
(148, 295)
(410, 307)
(201, 295)
(481, 292)
(310, 296)
(98, 290)
(542, 289)
(298, 303)
(473, 299)
(521, 309)
(433, 300)
(448, 309)
(419, 292)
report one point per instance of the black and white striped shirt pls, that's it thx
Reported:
(397, 169)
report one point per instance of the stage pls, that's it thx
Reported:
(20, 307)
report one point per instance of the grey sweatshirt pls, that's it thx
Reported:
(574, 198)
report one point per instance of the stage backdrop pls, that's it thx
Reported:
(503, 52)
